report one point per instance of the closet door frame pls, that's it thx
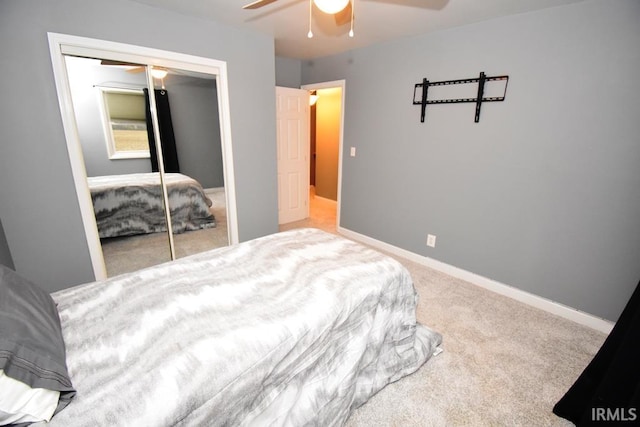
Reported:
(63, 44)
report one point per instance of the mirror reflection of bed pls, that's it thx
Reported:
(124, 254)
(105, 98)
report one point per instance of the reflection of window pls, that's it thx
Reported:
(124, 122)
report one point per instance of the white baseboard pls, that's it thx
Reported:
(536, 301)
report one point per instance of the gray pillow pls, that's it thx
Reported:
(31, 345)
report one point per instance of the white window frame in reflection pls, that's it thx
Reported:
(107, 124)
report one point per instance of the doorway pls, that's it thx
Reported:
(326, 128)
(324, 143)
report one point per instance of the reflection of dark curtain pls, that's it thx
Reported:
(609, 388)
(167, 139)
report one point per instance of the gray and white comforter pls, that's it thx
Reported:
(132, 204)
(296, 328)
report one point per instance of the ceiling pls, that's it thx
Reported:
(376, 21)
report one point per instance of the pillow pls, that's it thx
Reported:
(20, 403)
(31, 344)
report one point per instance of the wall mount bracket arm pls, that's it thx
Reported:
(478, 100)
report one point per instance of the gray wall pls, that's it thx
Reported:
(541, 194)
(84, 76)
(39, 208)
(288, 72)
(194, 114)
(5, 254)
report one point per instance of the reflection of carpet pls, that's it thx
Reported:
(125, 254)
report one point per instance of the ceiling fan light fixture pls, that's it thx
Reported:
(159, 73)
(310, 33)
(331, 6)
(353, 7)
(313, 97)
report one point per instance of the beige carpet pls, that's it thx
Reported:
(504, 363)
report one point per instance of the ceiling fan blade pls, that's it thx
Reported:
(258, 4)
(344, 16)
(131, 68)
(112, 62)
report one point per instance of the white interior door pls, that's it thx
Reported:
(292, 114)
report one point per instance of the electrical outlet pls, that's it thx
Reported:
(431, 240)
(353, 151)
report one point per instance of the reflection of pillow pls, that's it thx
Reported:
(31, 345)
(20, 403)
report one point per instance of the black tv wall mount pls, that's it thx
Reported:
(423, 101)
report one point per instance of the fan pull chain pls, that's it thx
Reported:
(310, 33)
(353, 6)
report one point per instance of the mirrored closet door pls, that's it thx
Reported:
(110, 112)
(187, 111)
(151, 141)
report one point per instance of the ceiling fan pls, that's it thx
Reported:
(342, 10)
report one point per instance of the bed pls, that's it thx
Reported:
(295, 328)
(131, 204)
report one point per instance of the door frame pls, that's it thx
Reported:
(331, 85)
(63, 44)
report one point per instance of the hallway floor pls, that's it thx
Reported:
(322, 215)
